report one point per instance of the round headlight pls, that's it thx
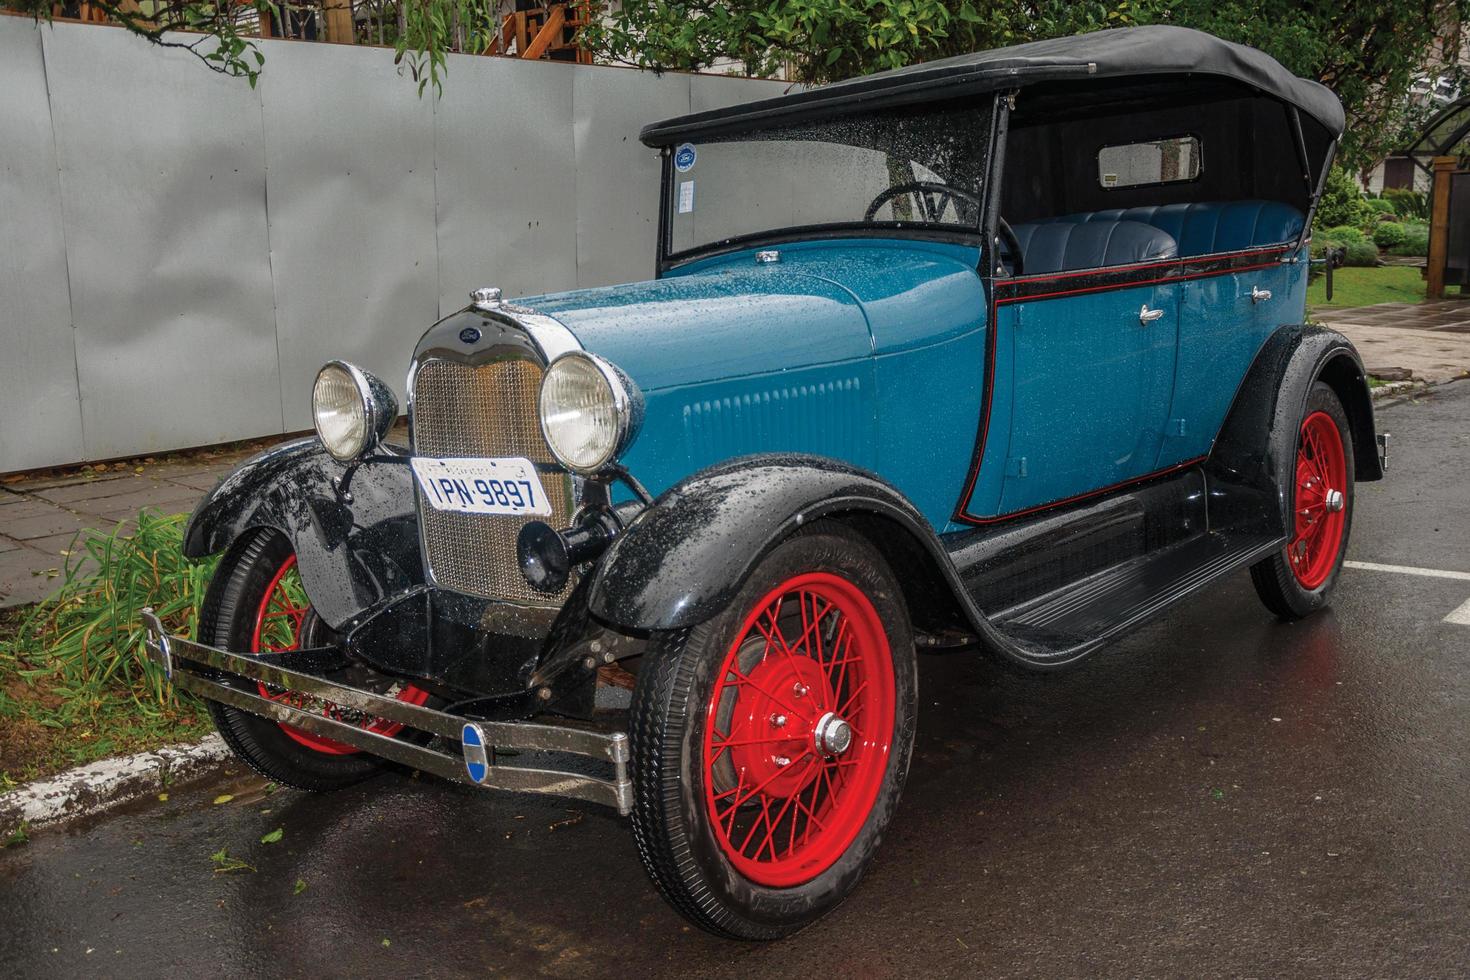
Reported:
(352, 409)
(589, 411)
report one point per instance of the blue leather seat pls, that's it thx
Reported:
(1059, 246)
(1206, 226)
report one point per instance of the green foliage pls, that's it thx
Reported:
(1361, 254)
(1388, 234)
(1416, 241)
(1344, 235)
(216, 41)
(86, 641)
(431, 29)
(1380, 206)
(1368, 54)
(827, 40)
(1407, 203)
(1342, 202)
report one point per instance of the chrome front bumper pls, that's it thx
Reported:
(183, 659)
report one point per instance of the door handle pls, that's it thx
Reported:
(1147, 316)
(1258, 294)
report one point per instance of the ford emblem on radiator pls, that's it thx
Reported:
(476, 759)
(469, 335)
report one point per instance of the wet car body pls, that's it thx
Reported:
(1053, 419)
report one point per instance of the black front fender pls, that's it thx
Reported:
(684, 558)
(352, 550)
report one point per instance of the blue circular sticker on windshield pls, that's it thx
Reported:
(684, 157)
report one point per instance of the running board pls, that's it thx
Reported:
(187, 665)
(1081, 616)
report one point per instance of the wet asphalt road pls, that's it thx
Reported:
(1220, 794)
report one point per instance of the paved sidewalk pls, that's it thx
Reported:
(1430, 340)
(40, 515)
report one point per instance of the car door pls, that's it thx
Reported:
(1091, 384)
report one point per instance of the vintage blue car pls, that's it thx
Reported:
(1003, 352)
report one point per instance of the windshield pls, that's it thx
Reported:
(906, 168)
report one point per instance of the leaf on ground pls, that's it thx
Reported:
(223, 798)
(274, 836)
(1218, 794)
(163, 797)
(387, 943)
(299, 887)
(225, 862)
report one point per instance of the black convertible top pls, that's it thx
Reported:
(1130, 51)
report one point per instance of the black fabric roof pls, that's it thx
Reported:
(1131, 51)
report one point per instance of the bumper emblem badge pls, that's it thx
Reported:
(476, 758)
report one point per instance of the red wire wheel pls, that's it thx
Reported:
(1319, 506)
(279, 626)
(798, 730)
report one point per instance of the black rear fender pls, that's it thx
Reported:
(1252, 466)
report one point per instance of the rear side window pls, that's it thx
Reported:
(1163, 161)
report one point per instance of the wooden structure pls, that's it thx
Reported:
(1449, 228)
(548, 31)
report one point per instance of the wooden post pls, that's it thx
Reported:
(1439, 227)
(339, 21)
(550, 33)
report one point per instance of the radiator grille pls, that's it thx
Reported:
(486, 410)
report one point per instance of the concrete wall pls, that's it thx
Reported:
(180, 253)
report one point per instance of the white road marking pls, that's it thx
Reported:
(1369, 566)
(1461, 615)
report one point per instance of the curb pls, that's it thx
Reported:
(1395, 388)
(102, 785)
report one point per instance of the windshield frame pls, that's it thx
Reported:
(984, 110)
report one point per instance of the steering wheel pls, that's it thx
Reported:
(1008, 238)
(931, 207)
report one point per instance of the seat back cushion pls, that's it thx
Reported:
(1208, 226)
(1059, 246)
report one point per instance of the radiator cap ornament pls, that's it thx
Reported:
(486, 298)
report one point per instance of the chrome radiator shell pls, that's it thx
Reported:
(484, 407)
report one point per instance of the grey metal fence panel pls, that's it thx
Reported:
(349, 152)
(40, 412)
(163, 175)
(617, 176)
(713, 92)
(179, 253)
(507, 179)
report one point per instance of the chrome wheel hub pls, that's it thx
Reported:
(1335, 500)
(833, 736)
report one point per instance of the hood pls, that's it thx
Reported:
(731, 316)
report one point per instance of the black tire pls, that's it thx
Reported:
(669, 712)
(1275, 582)
(228, 621)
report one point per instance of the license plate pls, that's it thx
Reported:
(482, 486)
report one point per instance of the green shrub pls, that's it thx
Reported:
(1407, 202)
(86, 641)
(1388, 234)
(1342, 202)
(1416, 241)
(1381, 206)
(1344, 235)
(1361, 253)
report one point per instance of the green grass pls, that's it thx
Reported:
(75, 683)
(1366, 286)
